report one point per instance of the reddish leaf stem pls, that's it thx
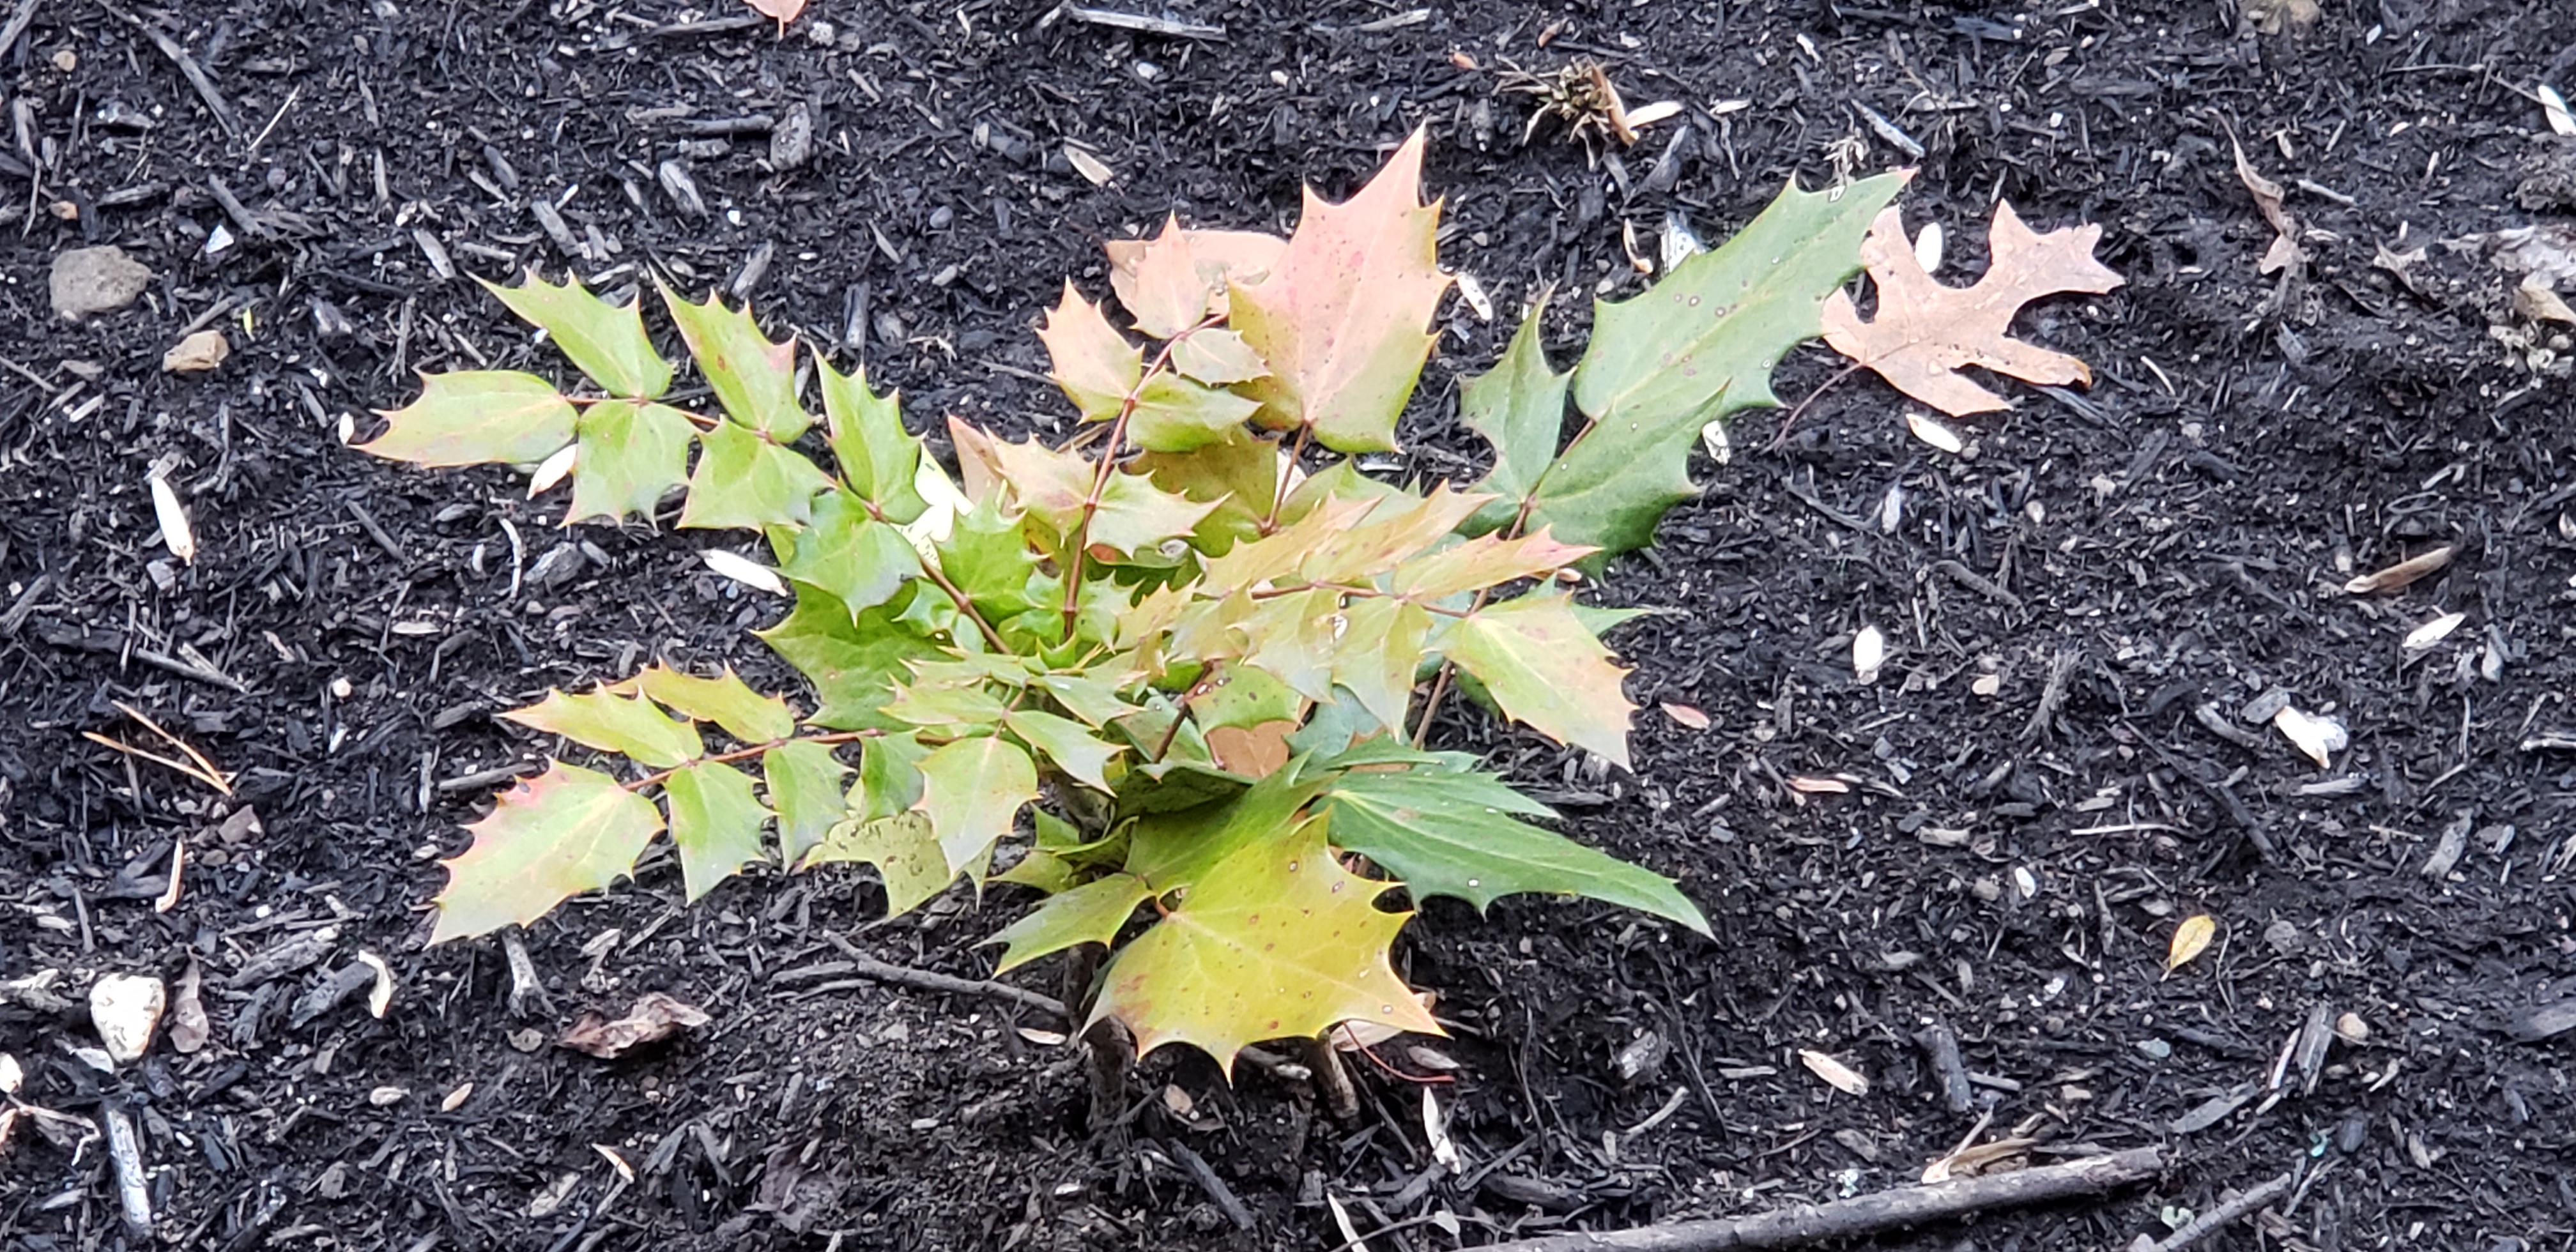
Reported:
(1081, 536)
(738, 754)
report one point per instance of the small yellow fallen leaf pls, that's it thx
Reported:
(2401, 574)
(2190, 939)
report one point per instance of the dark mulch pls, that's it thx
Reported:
(2003, 871)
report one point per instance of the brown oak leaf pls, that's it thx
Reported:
(1924, 332)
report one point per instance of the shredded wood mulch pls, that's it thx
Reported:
(1945, 897)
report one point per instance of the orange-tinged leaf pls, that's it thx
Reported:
(612, 721)
(1094, 364)
(1276, 941)
(1924, 332)
(1484, 562)
(566, 831)
(779, 11)
(2190, 940)
(1049, 485)
(971, 790)
(1546, 670)
(476, 417)
(1222, 257)
(1341, 319)
(1391, 534)
(1168, 293)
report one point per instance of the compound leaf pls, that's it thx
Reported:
(1694, 348)
(804, 782)
(880, 460)
(889, 777)
(986, 554)
(1093, 363)
(551, 837)
(1067, 743)
(614, 721)
(853, 659)
(1174, 414)
(843, 550)
(902, 848)
(745, 480)
(1460, 835)
(1135, 514)
(1090, 913)
(476, 417)
(753, 378)
(606, 341)
(1546, 669)
(1341, 317)
(971, 790)
(1924, 332)
(715, 822)
(631, 456)
(727, 701)
(1276, 940)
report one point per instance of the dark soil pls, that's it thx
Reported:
(2001, 865)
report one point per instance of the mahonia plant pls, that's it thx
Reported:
(1187, 654)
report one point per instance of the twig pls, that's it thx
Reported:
(924, 980)
(196, 74)
(1149, 25)
(1868, 1214)
(18, 23)
(133, 1194)
(2203, 1226)
(1200, 1172)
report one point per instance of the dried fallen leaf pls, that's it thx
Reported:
(387, 1097)
(1435, 1131)
(655, 1016)
(188, 1025)
(2285, 250)
(1924, 331)
(12, 1078)
(1844, 1078)
(2190, 940)
(2402, 574)
(625, 1172)
(2533, 301)
(2433, 632)
(1686, 715)
(2554, 107)
(779, 11)
(553, 470)
(381, 996)
(1815, 785)
(170, 891)
(2319, 737)
(743, 570)
(197, 353)
(176, 534)
(1969, 1162)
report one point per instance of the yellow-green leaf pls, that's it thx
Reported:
(1135, 514)
(862, 561)
(1342, 317)
(614, 722)
(1218, 357)
(1067, 743)
(2190, 940)
(1398, 528)
(971, 790)
(606, 341)
(1275, 941)
(880, 460)
(804, 782)
(726, 700)
(631, 455)
(477, 417)
(1174, 414)
(1485, 561)
(1090, 913)
(745, 480)
(715, 822)
(902, 848)
(853, 660)
(1381, 673)
(1094, 364)
(1544, 668)
(1519, 407)
(753, 378)
(566, 831)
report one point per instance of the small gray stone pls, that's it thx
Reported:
(89, 281)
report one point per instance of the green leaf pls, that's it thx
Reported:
(566, 831)
(745, 480)
(1094, 700)
(1481, 562)
(631, 456)
(1381, 673)
(1039, 870)
(1546, 670)
(804, 781)
(1172, 848)
(1217, 357)
(612, 722)
(1094, 364)
(753, 378)
(1243, 697)
(477, 417)
(1398, 528)
(1341, 317)
(1295, 639)
(1277, 941)
(1519, 407)
(1135, 514)
(1174, 414)
(987, 555)
(843, 550)
(1694, 348)
(1091, 913)
(1067, 743)
(889, 777)
(715, 822)
(971, 790)
(605, 340)
(853, 660)
(1239, 475)
(879, 458)
(907, 857)
(958, 706)
(1455, 834)
(727, 701)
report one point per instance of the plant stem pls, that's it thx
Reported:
(1081, 537)
(738, 754)
(1279, 497)
(1821, 388)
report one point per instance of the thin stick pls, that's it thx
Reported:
(1868, 1214)
(2203, 1226)
(925, 980)
(196, 74)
